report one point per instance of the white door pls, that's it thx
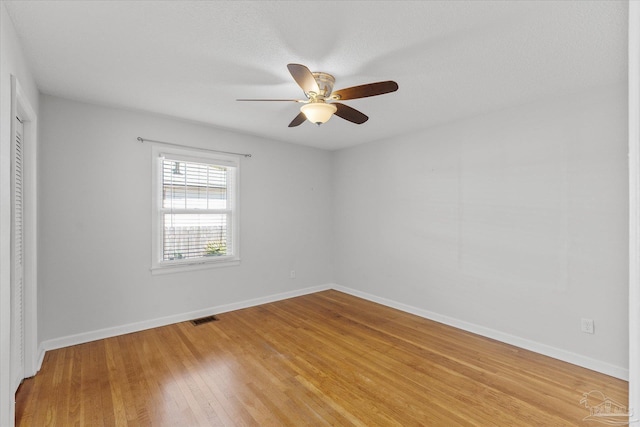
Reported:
(17, 261)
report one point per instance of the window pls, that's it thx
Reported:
(195, 216)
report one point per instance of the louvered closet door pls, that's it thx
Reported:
(17, 284)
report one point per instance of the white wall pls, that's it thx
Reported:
(12, 62)
(95, 231)
(513, 222)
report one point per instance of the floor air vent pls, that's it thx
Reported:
(202, 320)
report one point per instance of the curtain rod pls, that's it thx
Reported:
(185, 146)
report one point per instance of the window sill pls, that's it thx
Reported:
(202, 265)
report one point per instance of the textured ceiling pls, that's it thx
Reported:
(192, 59)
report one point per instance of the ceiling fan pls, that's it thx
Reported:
(318, 88)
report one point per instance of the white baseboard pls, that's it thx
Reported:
(546, 350)
(168, 320)
(556, 353)
(40, 357)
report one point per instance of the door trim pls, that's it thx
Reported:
(21, 106)
(634, 210)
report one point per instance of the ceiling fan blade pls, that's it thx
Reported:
(289, 100)
(300, 118)
(363, 91)
(304, 78)
(350, 114)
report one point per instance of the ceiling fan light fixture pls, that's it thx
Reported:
(318, 112)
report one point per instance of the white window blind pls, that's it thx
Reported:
(196, 217)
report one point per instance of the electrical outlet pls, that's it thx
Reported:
(587, 326)
(292, 274)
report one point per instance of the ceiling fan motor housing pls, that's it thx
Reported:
(325, 84)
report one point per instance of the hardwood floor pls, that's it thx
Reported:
(320, 359)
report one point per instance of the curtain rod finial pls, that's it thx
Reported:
(140, 139)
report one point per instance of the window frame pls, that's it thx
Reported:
(193, 155)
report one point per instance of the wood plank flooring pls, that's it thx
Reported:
(321, 359)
